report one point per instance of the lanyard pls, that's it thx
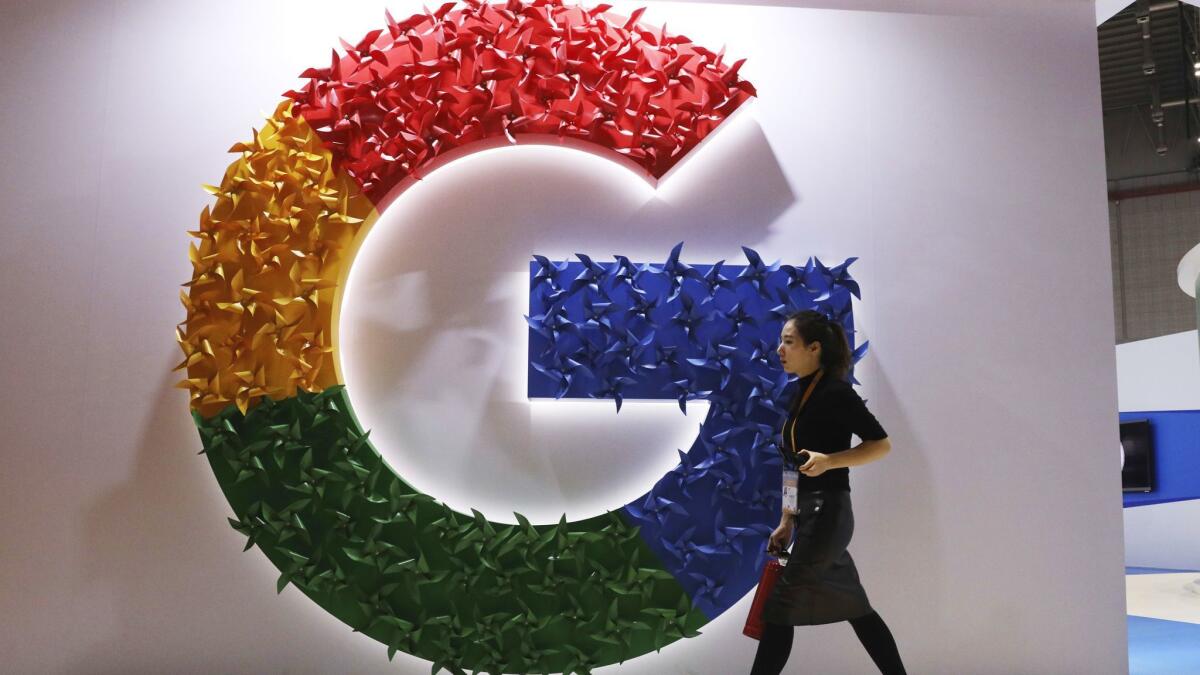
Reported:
(796, 418)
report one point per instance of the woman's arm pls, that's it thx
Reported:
(863, 453)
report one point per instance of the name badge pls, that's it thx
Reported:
(791, 490)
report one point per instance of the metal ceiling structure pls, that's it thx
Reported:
(1150, 88)
(1148, 60)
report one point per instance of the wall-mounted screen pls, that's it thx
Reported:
(1137, 450)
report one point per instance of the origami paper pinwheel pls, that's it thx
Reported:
(764, 354)
(767, 393)
(625, 272)
(692, 314)
(714, 280)
(641, 305)
(564, 371)
(543, 324)
(590, 276)
(683, 547)
(839, 275)
(729, 537)
(683, 474)
(738, 316)
(547, 273)
(756, 272)
(788, 305)
(611, 387)
(597, 313)
(682, 391)
(676, 271)
(803, 277)
(665, 358)
(709, 587)
(718, 358)
(628, 351)
(656, 509)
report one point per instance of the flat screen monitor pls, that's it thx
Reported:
(1137, 453)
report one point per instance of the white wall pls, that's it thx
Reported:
(959, 154)
(1161, 373)
(1163, 535)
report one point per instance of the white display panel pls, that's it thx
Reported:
(959, 154)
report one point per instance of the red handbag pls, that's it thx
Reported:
(770, 574)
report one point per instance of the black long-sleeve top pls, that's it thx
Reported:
(833, 413)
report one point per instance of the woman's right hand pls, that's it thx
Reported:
(781, 538)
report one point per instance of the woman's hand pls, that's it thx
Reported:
(817, 464)
(781, 538)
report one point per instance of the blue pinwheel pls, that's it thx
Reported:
(692, 314)
(837, 308)
(840, 276)
(729, 537)
(685, 473)
(763, 449)
(723, 408)
(656, 509)
(756, 272)
(564, 370)
(714, 280)
(627, 351)
(683, 547)
(730, 476)
(802, 278)
(764, 354)
(767, 393)
(665, 357)
(549, 323)
(597, 313)
(787, 305)
(612, 387)
(719, 444)
(738, 316)
(766, 497)
(856, 356)
(709, 588)
(682, 391)
(591, 276)
(547, 272)
(717, 358)
(624, 271)
(641, 304)
(677, 270)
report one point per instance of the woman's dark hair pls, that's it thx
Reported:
(814, 326)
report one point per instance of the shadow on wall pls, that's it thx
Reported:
(141, 542)
(726, 196)
(899, 549)
(180, 597)
(427, 326)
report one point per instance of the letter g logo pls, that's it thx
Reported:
(276, 424)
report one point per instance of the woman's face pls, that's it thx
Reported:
(797, 357)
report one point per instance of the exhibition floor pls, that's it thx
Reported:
(1164, 621)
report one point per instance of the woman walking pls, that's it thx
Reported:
(820, 583)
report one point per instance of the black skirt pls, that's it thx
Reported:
(819, 584)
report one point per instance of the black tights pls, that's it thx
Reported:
(872, 632)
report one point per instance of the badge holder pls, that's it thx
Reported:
(791, 490)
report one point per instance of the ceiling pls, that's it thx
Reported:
(1149, 58)
(1146, 55)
